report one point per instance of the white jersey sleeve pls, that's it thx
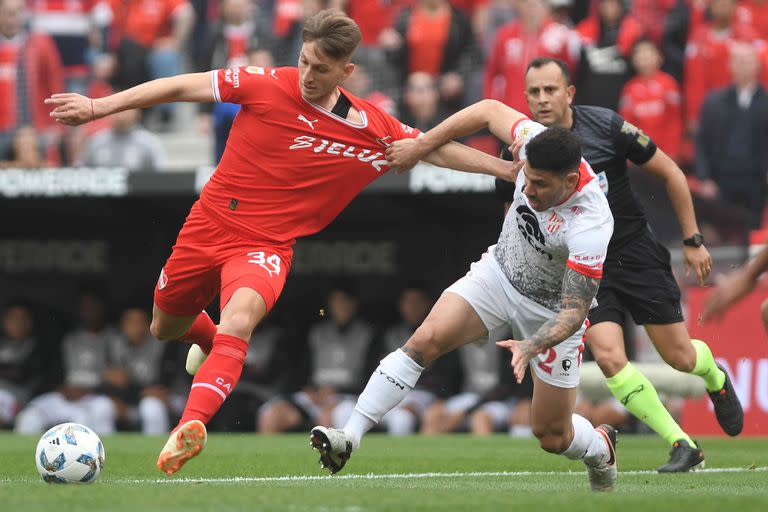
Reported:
(526, 129)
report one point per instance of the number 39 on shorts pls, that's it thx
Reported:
(269, 263)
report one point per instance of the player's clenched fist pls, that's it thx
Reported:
(405, 153)
(71, 109)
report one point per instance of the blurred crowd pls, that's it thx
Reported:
(117, 377)
(691, 73)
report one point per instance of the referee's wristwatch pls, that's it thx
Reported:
(696, 240)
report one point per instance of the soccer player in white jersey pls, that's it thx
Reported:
(537, 282)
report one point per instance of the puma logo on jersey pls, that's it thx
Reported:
(376, 159)
(311, 124)
(272, 74)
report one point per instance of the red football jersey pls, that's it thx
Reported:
(290, 166)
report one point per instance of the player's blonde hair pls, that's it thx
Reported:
(336, 33)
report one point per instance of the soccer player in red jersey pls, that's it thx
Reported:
(300, 150)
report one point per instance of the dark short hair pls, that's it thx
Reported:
(336, 33)
(555, 149)
(540, 62)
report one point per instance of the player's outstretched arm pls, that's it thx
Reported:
(75, 109)
(463, 158)
(490, 114)
(578, 292)
(664, 168)
(735, 286)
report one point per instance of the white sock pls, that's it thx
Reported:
(390, 382)
(587, 444)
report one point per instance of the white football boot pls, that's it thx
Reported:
(334, 446)
(195, 359)
(603, 476)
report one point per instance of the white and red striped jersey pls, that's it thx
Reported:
(535, 248)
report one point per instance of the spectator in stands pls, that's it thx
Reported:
(359, 84)
(731, 148)
(374, 17)
(755, 13)
(226, 46)
(24, 151)
(76, 27)
(30, 71)
(439, 380)
(421, 102)
(481, 372)
(148, 37)
(607, 38)
(84, 353)
(533, 34)
(134, 377)
(435, 38)
(21, 360)
(651, 100)
(341, 349)
(127, 145)
(708, 55)
(268, 370)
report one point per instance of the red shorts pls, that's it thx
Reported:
(207, 260)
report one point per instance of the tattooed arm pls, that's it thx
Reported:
(578, 292)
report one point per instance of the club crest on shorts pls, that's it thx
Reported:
(162, 281)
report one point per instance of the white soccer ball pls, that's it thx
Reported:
(69, 453)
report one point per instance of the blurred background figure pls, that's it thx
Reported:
(440, 380)
(21, 360)
(479, 407)
(342, 352)
(78, 28)
(30, 71)
(134, 377)
(533, 34)
(435, 38)
(148, 38)
(607, 38)
(707, 56)
(731, 149)
(651, 100)
(421, 102)
(84, 354)
(24, 151)
(127, 144)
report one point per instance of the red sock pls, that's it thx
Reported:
(215, 379)
(202, 332)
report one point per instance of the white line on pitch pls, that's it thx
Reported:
(401, 476)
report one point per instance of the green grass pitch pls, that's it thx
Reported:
(449, 473)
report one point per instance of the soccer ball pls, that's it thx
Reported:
(69, 453)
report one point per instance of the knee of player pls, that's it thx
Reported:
(682, 360)
(238, 323)
(427, 342)
(610, 360)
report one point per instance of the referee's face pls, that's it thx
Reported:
(549, 96)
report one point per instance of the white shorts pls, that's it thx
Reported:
(502, 308)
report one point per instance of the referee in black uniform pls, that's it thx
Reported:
(637, 277)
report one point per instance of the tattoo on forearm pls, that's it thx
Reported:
(578, 292)
(417, 356)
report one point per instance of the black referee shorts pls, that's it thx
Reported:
(637, 278)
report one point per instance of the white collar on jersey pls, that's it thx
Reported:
(330, 114)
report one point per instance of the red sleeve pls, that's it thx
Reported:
(246, 84)
(595, 272)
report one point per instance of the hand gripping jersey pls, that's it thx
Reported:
(290, 166)
(534, 248)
